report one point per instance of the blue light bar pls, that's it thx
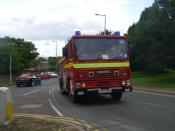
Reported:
(117, 33)
(77, 33)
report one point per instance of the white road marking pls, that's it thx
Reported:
(50, 92)
(113, 122)
(154, 93)
(146, 103)
(53, 95)
(55, 109)
(31, 106)
(28, 93)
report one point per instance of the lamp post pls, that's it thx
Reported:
(56, 47)
(10, 68)
(104, 22)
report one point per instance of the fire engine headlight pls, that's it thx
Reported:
(123, 82)
(78, 85)
(83, 84)
(128, 82)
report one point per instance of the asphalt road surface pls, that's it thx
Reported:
(137, 111)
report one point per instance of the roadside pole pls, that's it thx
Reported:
(10, 68)
(6, 111)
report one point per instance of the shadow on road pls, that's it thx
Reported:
(96, 100)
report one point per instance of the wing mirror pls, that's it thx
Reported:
(65, 51)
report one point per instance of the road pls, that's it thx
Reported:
(137, 111)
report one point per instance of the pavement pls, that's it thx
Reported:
(167, 91)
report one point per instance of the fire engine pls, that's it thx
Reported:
(97, 64)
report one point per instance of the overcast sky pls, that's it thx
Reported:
(46, 21)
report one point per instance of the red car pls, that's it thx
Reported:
(45, 75)
(28, 79)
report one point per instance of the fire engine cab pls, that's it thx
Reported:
(96, 64)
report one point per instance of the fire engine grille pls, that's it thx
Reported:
(103, 84)
(111, 75)
(103, 75)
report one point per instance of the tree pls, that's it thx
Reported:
(107, 32)
(151, 40)
(4, 57)
(23, 55)
(52, 61)
(169, 5)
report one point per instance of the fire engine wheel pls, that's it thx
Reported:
(73, 96)
(61, 86)
(116, 95)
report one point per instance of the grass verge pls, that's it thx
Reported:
(33, 124)
(7, 85)
(164, 80)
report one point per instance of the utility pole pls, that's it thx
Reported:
(10, 68)
(104, 22)
(56, 47)
(56, 50)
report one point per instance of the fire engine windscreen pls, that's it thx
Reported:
(100, 48)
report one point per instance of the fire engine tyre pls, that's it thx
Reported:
(61, 86)
(116, 96)
(74, 96)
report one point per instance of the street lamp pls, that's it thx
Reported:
(56, 47)
(10, 68)
(104, 22)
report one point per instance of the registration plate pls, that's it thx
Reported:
(80, 93)
(101, 91)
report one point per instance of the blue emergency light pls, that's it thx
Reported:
(117, 33)
(77, 33)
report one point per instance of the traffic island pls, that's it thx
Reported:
(30, 122)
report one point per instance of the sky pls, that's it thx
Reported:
(47, 22)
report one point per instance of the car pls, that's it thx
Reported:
(45, 75)
(28, 79)
(53, 74)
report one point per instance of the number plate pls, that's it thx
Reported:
(104, 91)
(80, 93)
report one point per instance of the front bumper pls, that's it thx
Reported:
(84, 91)
(23, 82)
(128, 89)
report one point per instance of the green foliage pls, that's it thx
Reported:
(107, 32)
(169, 6)
(40, 59)
(165, 80)
(151, 41)
(52, 61)
(4, 57)
(23, 55)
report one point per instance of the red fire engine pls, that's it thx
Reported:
(95, 64)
